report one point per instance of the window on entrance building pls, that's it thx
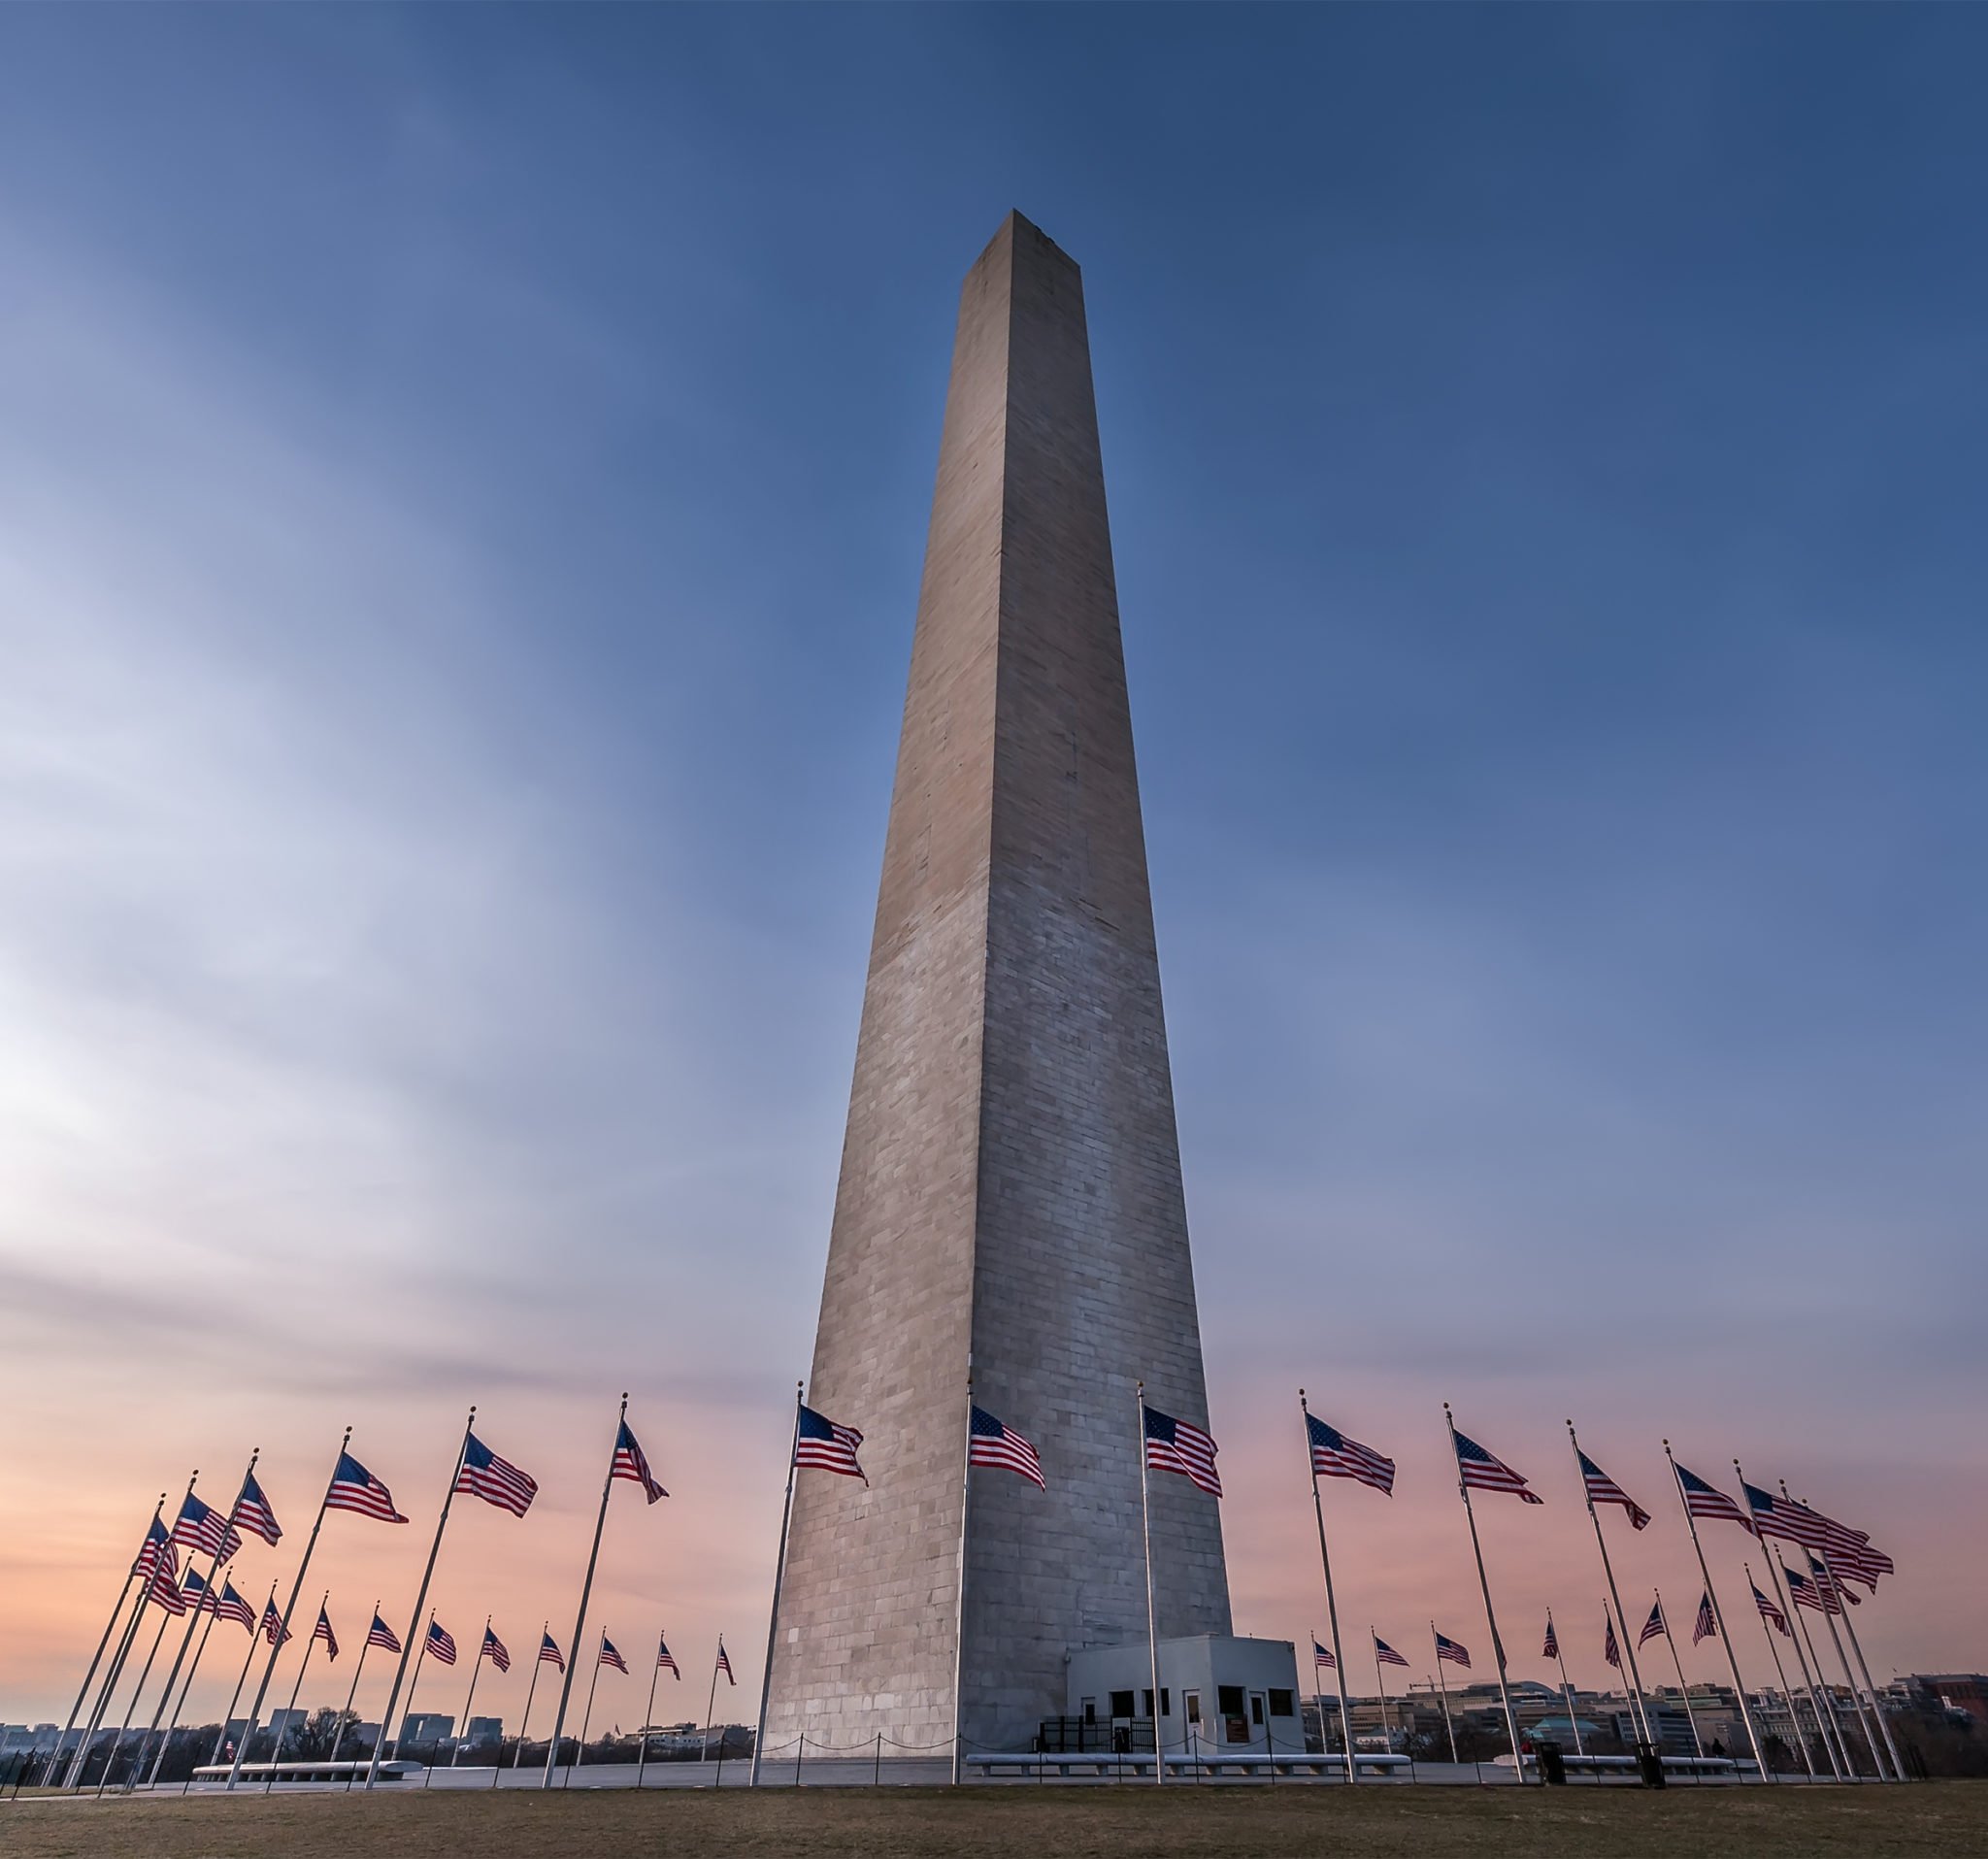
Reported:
(1121, 1703)
(1257, 1707)
(1194, 1707)
(1090, 1711)
(1229, 1700)
(1283, 1704)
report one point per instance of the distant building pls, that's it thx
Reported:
(286, 1722)
(1956, 1693)
(483, 1729)
(425, 1726)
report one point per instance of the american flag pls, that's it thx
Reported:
(989, 1442)
(1457, 1655)
(1335, 1456)
(1850, 1552)
(549, 1654)
(1653, 1628)
(666, 1660)
(198, 1594)
(495, 1480)
(252, 1512)
(1707, 1625)
(1812, 1594)
(1484, 1472)
(441, 1645)
(1820, 1576)
(629, 1463)
(1176, 1445)
(354, 1488)
(1384, 1654)
(496, 1651)
(1704, 1499)
(322, 1630)
(230, 1606)
(1769, 1611)
(608, 1656)
(1551, 1649)
(1321, 1658)
(1602, 1489)
(382, 1635)
(273, 1627)
(156, 1542)
(164, 1585)
(1774, 1517)
(725, 1661)
(200, 1529)
(819, 1442)
(1612, 1652)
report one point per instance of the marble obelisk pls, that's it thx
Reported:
(1011, 1176)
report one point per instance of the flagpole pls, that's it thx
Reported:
(1152, 1634)
(1380, 1680)
(1332, 1610)
(1876, 1708)
(1826, 1703)
(1518, 1761)
(1567, 1691)
(475, 1673)
(73, 1781)
(303, 1666)
(192, 1620)
(1443, 1686)
(1718, 1615)
(711, 1704)
(110, 1626)
(1642, 1709)
(649, 1713)
(338, 1736)
(959, 1620)
(412, 1681)
(1683, 1690)
(1797, 1631)
(588, 1717)
(1780, 1671)
(1834, 1593)
(220, 1743)
(420, 1600)
(779, 1572)
(214, 1613)
(145, 1672)
(586, 1588)
(289, 1607)
(530, 1691)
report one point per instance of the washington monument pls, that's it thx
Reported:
(1011, 1177)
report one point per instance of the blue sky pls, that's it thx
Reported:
(462, 480)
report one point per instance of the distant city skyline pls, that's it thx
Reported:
(462, 487)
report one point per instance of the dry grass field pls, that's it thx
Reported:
(1057, 1823)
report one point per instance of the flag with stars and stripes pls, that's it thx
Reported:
(666, 1660)
(608, 1656)
(1178, 1445)
(1774, 1517)
(1850, 1552)
(1384, 1654)
(156, 1542)
(353, 1488)
(164, 1586)
(549, 1654)
(201, 1530)
(273, 1627)
(819, 1442)
(1322, 1657)
(229, 1606)
(725, 1661)
(630, 1463)
(1611, 1651)
(1484, 1471)
(496, 1651)
(1810, 1594)
(1335, 1456)
(1602, 1489)
(1653, 1628)
(252, 1512)
(1707, 1625)
(1770, 1612)
(1704, 1499)
(1819, 1574)
(322, 1630)
(382, 1635)
(990, 1442)
(1448, 1648)
(441, 1642)
(495, 1480)
(1551, 1649)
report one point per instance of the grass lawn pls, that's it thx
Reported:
(1055, 1824)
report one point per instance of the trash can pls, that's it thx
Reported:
(1553, 1768)
(1649, 1765)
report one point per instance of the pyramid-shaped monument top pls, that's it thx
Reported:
(1011, 1177)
